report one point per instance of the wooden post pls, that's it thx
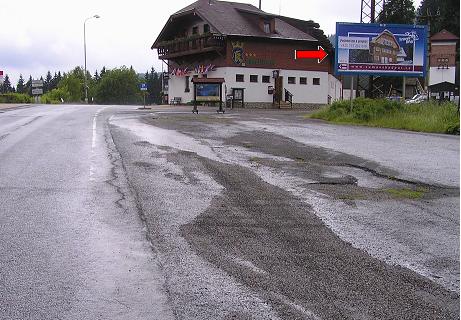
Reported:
(195, 110)
(352, 91)
(404, 85)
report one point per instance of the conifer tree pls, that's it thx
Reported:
(6, 86)
(21, 88)
(28, 86)
(48, 84)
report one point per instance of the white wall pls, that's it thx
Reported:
(257, 92)
(335, 88)
(441, 75)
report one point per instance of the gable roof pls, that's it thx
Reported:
(387, 32)
(444, 35)
(233, 18)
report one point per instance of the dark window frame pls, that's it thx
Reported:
(253, 78)
(316, 81)
(206, 28)
(303, 80)
(267, 27)
(239, 77)
(266, 79)
(291, 80)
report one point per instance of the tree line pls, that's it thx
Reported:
(108, 86)
(442, 14)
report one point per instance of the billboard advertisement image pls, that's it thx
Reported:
(381, 49)
(208, 92)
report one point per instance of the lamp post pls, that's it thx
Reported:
(84, 49)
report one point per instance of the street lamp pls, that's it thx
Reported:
(84, 49)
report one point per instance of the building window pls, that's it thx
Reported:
(267, 27)
(291, 80)
(253, 78)
(194, 30)
(266, 79)
(206, 28)
(302, 80)
(239, 78)
(187, 84)
(316, 81)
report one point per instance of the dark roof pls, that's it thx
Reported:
(444, 86)
(232, 18)
(444, 35)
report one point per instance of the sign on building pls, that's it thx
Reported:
(1, 77)
(381, 49)
(143, 87)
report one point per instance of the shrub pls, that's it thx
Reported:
(15, 98)
(55, 96)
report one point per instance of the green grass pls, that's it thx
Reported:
(424, 117)
(407, 193)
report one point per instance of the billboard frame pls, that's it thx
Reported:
(377, 73)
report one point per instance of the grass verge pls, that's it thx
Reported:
(423, 117)
(406, 193)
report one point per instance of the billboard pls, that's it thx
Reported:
(208, 91)
(381, 49)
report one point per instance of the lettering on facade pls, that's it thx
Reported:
(199, 69)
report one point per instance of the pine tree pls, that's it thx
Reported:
(398, 11)
(96, 76)
(21, 88)
(28, 86)
(47, 85)
(444, 15)
(103, 72)
(6, 86)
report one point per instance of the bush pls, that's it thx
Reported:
(15, 98)
(55, 96)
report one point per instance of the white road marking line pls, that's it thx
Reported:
(93, 141)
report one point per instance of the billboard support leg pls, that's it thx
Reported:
(352, 91)
(404, 85)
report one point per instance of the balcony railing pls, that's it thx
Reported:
(190, 45)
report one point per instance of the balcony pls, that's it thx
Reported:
(190, 45)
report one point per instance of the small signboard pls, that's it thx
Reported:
(208, 92)
(1, 76)
(143, 86)
(37, 83)
(37, 91)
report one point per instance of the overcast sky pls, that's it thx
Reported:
(37, 36)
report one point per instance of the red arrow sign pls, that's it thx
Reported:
(319, 54)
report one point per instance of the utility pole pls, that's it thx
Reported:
(259, 4)
(84, 50)
(370, 12)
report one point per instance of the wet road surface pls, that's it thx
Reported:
(119, 213)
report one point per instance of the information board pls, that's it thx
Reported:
(208, 92)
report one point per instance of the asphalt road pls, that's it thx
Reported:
(111, 212)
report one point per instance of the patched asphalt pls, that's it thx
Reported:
(226, 209)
